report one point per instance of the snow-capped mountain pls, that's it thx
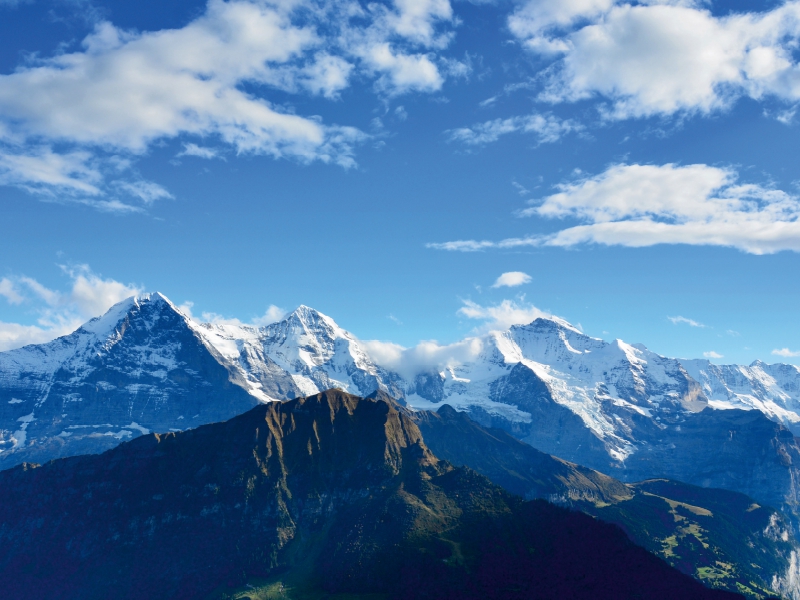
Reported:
(138, 368)
(615, 407)
(303, 354)
(772, 389)
(548, 365)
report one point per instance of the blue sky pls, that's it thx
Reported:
(635, 164)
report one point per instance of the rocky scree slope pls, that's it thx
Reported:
(333, 491)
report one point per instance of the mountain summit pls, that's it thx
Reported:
(138, 368)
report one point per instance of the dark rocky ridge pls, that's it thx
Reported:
(338, 489)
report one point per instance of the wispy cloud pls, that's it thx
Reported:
(644, 205)
(712, 354)
(503, 315)
(198, 151)
(547, 129)
(10, 292)
(430, 355)
(59, 312)
(786, 353)
(690, 322)
(273, 314)
(65, 120)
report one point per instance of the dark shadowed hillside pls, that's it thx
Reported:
(337, 492)
(720, 537)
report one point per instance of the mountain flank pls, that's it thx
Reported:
(722, 538)
(328, 494)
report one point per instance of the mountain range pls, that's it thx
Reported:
(618, 408)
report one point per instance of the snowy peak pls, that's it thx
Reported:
(147, 309)
(549, 341)
(303, 354)
(772, 389)
(140, 367)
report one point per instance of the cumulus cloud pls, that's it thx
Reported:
(643, 205)
(712, 354)
(503, 315)
(65, 119)
(689, 322)
(426, 356)
(430, 355)
(662, 57)
(273, 314)
(786, 353)
(547, 129)
(512, 279)
(59, 312)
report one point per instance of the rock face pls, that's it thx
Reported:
(320, 495)
(137, 369)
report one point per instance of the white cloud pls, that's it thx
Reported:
(690, 322)
(41, 170)
(14, 335)
(190, 149)
(327, 75)
(502, 316)
(547, 129)
(123, 91)
(60, 312)
(9, 291)
(786, 353)
(712, 354)
(402, 73)
(512, 279)
(273, 314)
(478, 245)
(659, 58)
(92, 295)
(645, 205)
(425, 356)
(147, 191)
(431, 355)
